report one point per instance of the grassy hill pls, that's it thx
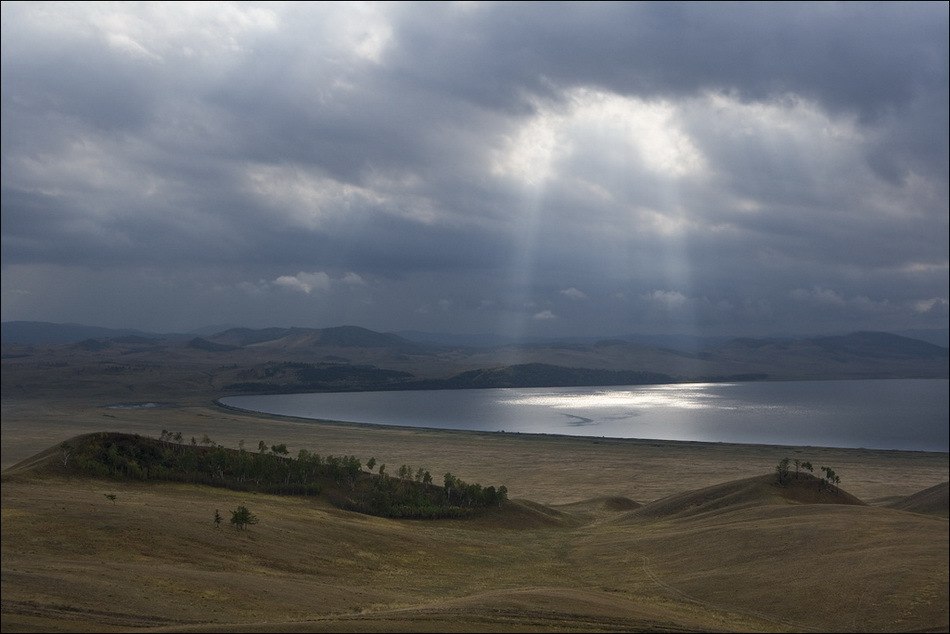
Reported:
(745, 493)
(340, 479)
(118, 553)
(934, 500)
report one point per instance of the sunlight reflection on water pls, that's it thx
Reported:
(692, 396)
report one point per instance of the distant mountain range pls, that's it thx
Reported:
(47, 333)
(342, 336)
(683, 343)
(57, 359)
(34, 333)
(680, 342)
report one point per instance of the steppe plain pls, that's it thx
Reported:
(602, 535)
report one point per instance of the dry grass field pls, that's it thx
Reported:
(605, 535)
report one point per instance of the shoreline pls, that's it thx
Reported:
(918, 400)
(549, 469)
(546, 435)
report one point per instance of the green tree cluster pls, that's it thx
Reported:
(272, 470)
(830, 477)
(784, 474)
(783, 471)
(412, 494)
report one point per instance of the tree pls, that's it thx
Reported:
(782, 469)
(262, 446)
(241, 517)
(370, 464)
(830, 476)
(280, 450)
(217, 519)
(806, 465)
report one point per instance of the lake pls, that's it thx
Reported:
(906, 414)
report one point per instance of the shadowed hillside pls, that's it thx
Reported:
(544, 375)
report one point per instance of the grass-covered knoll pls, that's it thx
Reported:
(752, 492)
(934, 500)
(411, 493)
(74, 560)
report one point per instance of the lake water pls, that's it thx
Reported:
(875, 414)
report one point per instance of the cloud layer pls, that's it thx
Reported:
(519, 168)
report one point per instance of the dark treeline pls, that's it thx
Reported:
(414, 496)
(270, 469)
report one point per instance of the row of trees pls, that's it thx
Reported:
(412, 494)
(785, 475)
(271, 469)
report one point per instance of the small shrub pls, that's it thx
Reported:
(241, 517)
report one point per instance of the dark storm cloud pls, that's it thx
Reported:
(566, 167)
(865, 58)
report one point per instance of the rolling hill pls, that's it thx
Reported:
(931, 501)
(92, 553)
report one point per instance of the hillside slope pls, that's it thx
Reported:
(764, 490)
(738, 556)
(934, 500)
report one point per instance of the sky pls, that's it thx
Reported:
(515, 168)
